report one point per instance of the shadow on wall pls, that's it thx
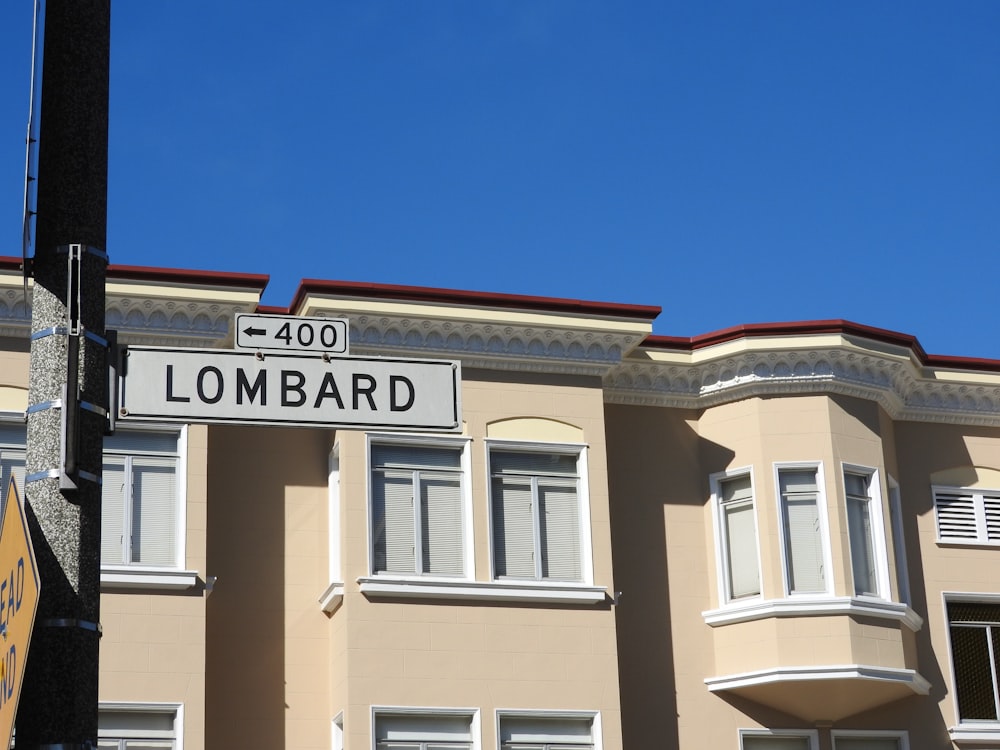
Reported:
(654, 461)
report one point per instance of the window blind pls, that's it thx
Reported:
(803, 534)
(740, 542)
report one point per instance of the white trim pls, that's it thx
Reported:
(580, 450)
(463, 444)
(824, 526)
(492, 591)
(810, 734)
(908, 677)
(337, 732)
(975, 731)
(596, 725)
(721, 548)
(876, 503)
(903, 591)
(896, 734)
(475, 730)
(804, 607)
(332, 598)
(177, 709)
(333, 514)
(139, 577)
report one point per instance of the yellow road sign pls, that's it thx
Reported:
(19, 587)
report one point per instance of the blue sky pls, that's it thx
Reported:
(733, 162)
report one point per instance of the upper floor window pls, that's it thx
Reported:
(423, 731)
(778, 740)
(869, 740)
(137, 727)
(418, 511)
(12, 442)
(737, 535)
(802, 530)
(967, 516)
(866, 532)
(142, 509)
(548, 732)
(975, 651)
(538, 512)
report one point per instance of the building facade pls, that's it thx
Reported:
(773, 536)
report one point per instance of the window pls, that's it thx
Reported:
(537, 519)
(899, 542)
(12, 441)
(542, 732)
(975, 651)
(737, 536)
(967, 516)
(802, 530)
(857, 740)
(142, 507)
(137, 728)
(424, 731)
(766, 739)
(865, 532)
(418, 512)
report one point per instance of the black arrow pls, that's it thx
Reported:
(254, 331)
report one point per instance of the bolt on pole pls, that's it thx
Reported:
(67, 378)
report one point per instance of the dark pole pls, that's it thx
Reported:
(67, 381)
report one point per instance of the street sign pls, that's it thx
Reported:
(19, 587)
(240, 387)
(290, 333)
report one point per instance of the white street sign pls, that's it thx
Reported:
(226, 386)
(291, 333)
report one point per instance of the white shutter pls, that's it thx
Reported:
(956, 515)
(154, 511)
(742, 566)
(559, 518)
(441, 511)
(513, 528)
(803, 541)
(991, 508)
(113, 496)
(392, 516)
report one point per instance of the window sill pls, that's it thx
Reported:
(760, 609)
(986, 733)
(494, 591)
(166, 579)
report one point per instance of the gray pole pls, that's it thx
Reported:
(67, 376)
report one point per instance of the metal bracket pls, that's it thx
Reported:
(70, 622)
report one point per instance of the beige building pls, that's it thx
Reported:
(770, 537)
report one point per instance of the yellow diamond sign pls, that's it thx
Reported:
(19, 587)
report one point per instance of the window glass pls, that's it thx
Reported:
(866, 743)
(802, 530)
(975, 649)
(536, 515)
(140, 501)
(859, 526)
(417, 510)
(423, 732)
(739, 538)
(136, 729)
(774, 742)
(546, 733)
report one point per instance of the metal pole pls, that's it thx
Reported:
(67, 378)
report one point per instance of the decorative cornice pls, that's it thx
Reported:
(165, 322)
(15, 314)
(905, 390)
(491, 346)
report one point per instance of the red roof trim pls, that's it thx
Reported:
(816, 327)
(185, 276)
(478, 299)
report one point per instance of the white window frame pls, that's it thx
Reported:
(579, 450)
(174, 709)
(15, 421)
(899, 541)
(875, 734)
(462, 444)
(472, 714)
(810, 735)
(716, 482)
(973, 731)
(877, 526)
(337, 732)
(824, 528)
(594, 717)
(978, 500)
(174, 576)
(333, 596)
